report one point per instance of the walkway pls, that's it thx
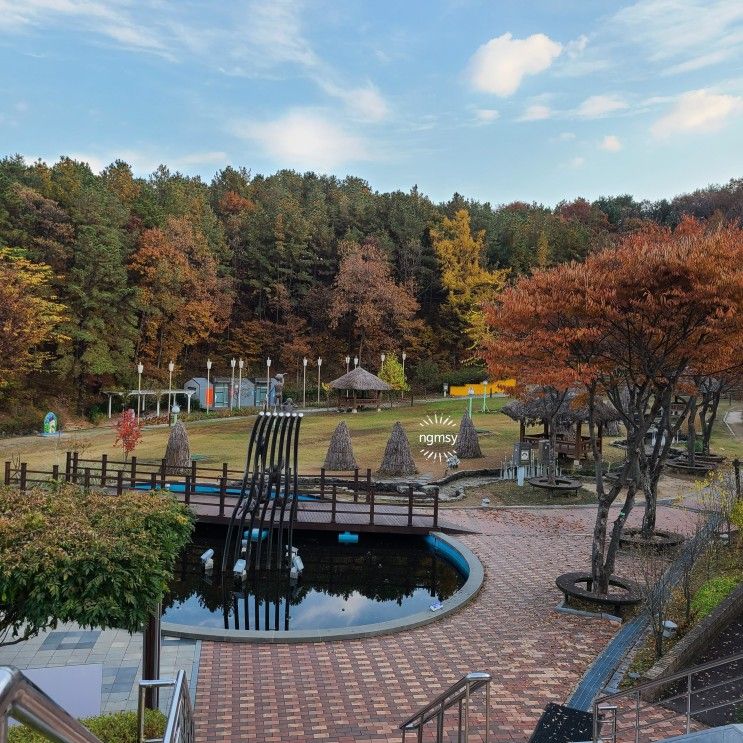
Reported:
(360, 690)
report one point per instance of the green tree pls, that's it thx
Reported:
(391, 372)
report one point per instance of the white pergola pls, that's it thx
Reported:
(142, 394)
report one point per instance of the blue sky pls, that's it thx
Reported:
(499, 100)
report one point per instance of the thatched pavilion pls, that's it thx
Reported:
(359, 388)
(567, 415)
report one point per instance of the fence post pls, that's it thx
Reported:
(162, 474)
(193, 474)
(153, 481)
(224, 470)
(75, 457)
(67, 466)
(322, 482)
(86, 478)
(222, 493)
(368, 483)
(371, 508)
(187, 492)
(23, 476)
(436, 507)
(410, 505)
(119, 482)
(55, 472)
(333, 505)
(133, 473)
(104, 468)
(7, 473)
(356, 485)
(736, 468)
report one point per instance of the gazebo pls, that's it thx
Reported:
(361, 388)
(567, 415)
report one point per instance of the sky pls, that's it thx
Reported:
(499, 100)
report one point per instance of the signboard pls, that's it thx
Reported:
(50, 424)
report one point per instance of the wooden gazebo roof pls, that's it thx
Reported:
(538, 407)
(360, 380)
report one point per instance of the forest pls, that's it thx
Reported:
(104, 270)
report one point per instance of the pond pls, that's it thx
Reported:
(381, 578)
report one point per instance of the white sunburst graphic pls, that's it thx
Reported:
(437, 440)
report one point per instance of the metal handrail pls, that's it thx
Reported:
(607, 705)
(179, 727)
(458, 693)
(21, 699)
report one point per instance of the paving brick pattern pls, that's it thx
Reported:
(360, 690)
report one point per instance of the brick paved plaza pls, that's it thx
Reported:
(360, 690)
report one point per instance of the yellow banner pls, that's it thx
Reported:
(501, 385)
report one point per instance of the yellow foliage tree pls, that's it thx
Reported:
(469, 284)
(29, 315)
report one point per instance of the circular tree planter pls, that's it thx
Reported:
(661, 540)
(578, 586)
(700, 468)
(560, 486)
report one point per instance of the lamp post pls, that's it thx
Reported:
(484, 396)
(304, 382)
(208, 387)
(319, 364)
(233, 364)
(383, 357)
(470, 395)
(268, 379)
(240, 365)
(171, 367)
(355, 361)
(140, 369)
(348, 364)
(404, 356)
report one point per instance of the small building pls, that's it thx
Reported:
(359, 388)
(217, 395)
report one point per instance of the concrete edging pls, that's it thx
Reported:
(464, 595)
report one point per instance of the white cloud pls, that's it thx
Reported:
(683, 31)
(536, 112)
(611, 143)
(577, 162)
(486, 115)
(697, 111)
(576, 47)
(500, 65)
(304, 138)
(600, 105)
(566, 136)
(365, 103)
(144, 162)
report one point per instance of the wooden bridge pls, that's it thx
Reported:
(347, 502)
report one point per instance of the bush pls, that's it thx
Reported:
(119, 727)
(712, 593)
(466, 375)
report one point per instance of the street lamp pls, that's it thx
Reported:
(208, 388)
(383, 357)
(319, 364)
(404, 356)
(304, 382)
(484, 396)
(268, 379)
(348, 364)
(470, 395)
(240, 365)
(233, 364)
(355, 361)
(171, 367)
(140, 369)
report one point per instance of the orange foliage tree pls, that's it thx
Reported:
(181, 296)
(630, 324)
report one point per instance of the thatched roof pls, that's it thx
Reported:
(360, 380)
(539, 406)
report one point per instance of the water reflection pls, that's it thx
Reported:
(383, 577)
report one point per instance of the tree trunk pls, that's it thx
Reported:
(692, 428)
(552, 468)
(708, 415)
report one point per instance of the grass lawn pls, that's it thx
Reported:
(225, 440)
(510, 494)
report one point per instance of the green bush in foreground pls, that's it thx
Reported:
(712, 593)
(119, 727)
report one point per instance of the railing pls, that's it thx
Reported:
(647, 705)
(179, 727)
(213, 491)
(459, 693)
(21, 699)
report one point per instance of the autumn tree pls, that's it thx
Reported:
(628, 323)
(128, 432)
(468, 283)
(368, 307)
(29, 316)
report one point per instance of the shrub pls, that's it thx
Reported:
(466, 375)
(712, 593)
(119, 727)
